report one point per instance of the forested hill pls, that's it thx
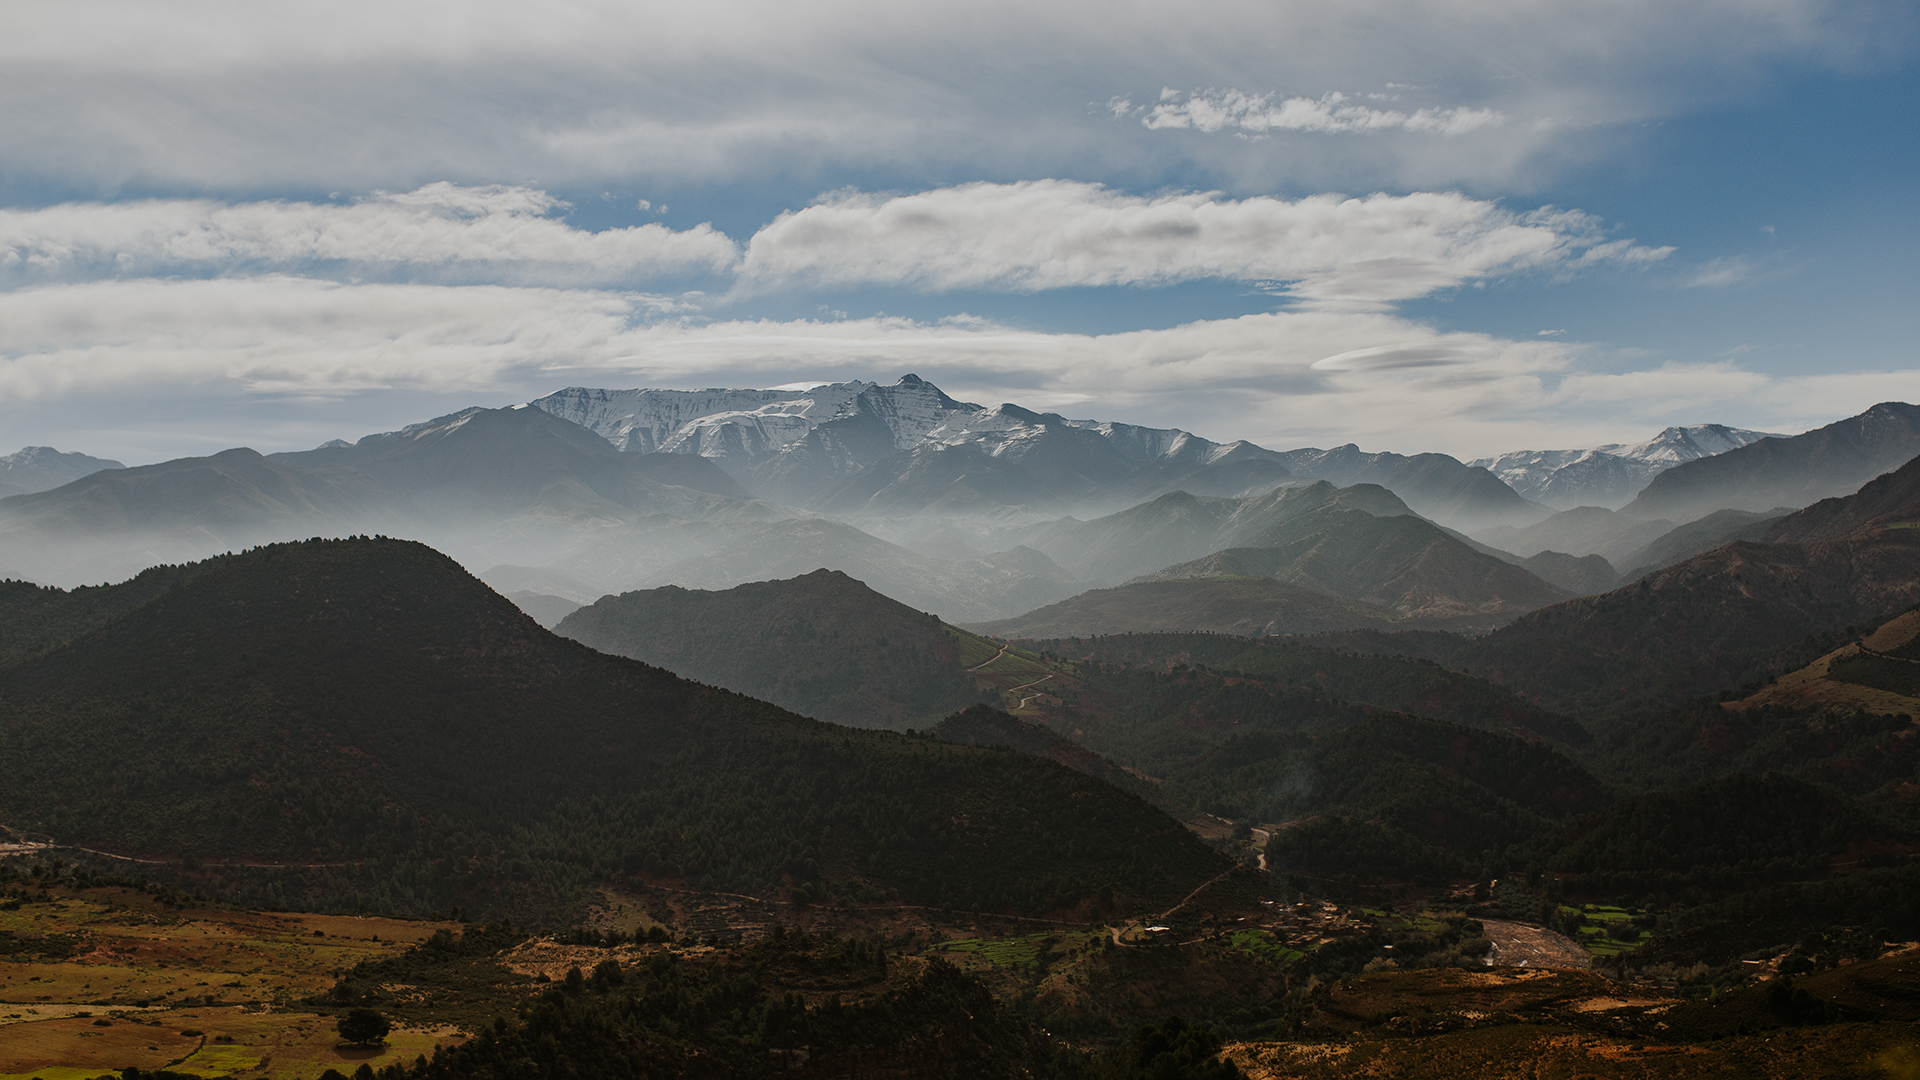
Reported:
(821, 644)
(368, 705)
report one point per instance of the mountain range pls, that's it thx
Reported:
(943, 505)
(1297, 561)
(1718, 619)
(367, 714)
(1613, 474)
(1822, 463)
(861, 450)
(488, 485)
(37, 468)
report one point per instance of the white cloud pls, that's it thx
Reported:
(488, 232)
(103, 350)
(1025, 236)
(1046, 234)
(1722, 272)
(1333, 112)
(292, 336)
(230, 95)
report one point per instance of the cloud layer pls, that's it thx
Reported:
(492, 232)
(106, 350)
(1332, 112)
(233, 96)
(1049, 234)
(1021, 237)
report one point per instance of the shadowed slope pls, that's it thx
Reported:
(1403, 563)
(1227, 605)
(370, 706)
(821, 644)
(1720, 618)
(1822, 463)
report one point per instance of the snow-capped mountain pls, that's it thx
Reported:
(39, 468)
(864, 450)
(788, 444)
(741, 428)
(1611, 475)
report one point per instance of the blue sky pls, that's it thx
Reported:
(1472, 227)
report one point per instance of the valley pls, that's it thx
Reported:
(862, 731)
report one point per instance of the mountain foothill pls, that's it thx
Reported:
(1036, 695)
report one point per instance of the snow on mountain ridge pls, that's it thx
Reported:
(1611, 475)
(39, 468)
(745, 427)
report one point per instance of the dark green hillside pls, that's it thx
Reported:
(1404, 563)
(35, 618)
(1416, 687)
(1254, 749)
(1717, 620)
(1719, 836)
(1857, 753)
(821, 644)
(1228, 605)
(1721, 619)
(1449, 801)
(368, 705)
(983, 726)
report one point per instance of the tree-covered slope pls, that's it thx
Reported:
(1230, 605)
(368, 710)
(821, 644)
(1403, 563)
(1402, 684)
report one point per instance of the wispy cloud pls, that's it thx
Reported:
(1722, 272)
(490, 233)
(1285, 378)
(1334, 112)
(1024, 237)
(1047, 234)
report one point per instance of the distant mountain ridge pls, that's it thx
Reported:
(1613, 474)
(1724, 616)
(862, 450)
(487, 485)
(38, 468)
(1296, 561)
(1823, 463)
(1403, 563)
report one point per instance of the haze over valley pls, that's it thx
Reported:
(1006, 541)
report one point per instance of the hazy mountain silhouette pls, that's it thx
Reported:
(1722, 617)
(37, 468)
(821, 644)
(487, 485)
(1403, 563)
(1823, 463)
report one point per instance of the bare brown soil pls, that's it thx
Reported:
(1520, 945)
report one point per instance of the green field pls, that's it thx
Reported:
(1262, 945)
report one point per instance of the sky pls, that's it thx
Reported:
(1471, 227)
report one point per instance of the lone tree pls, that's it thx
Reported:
(364, 1027)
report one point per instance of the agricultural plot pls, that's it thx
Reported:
(1264, 946)
(100, 980)
(1606, 932)
(1025, 951)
